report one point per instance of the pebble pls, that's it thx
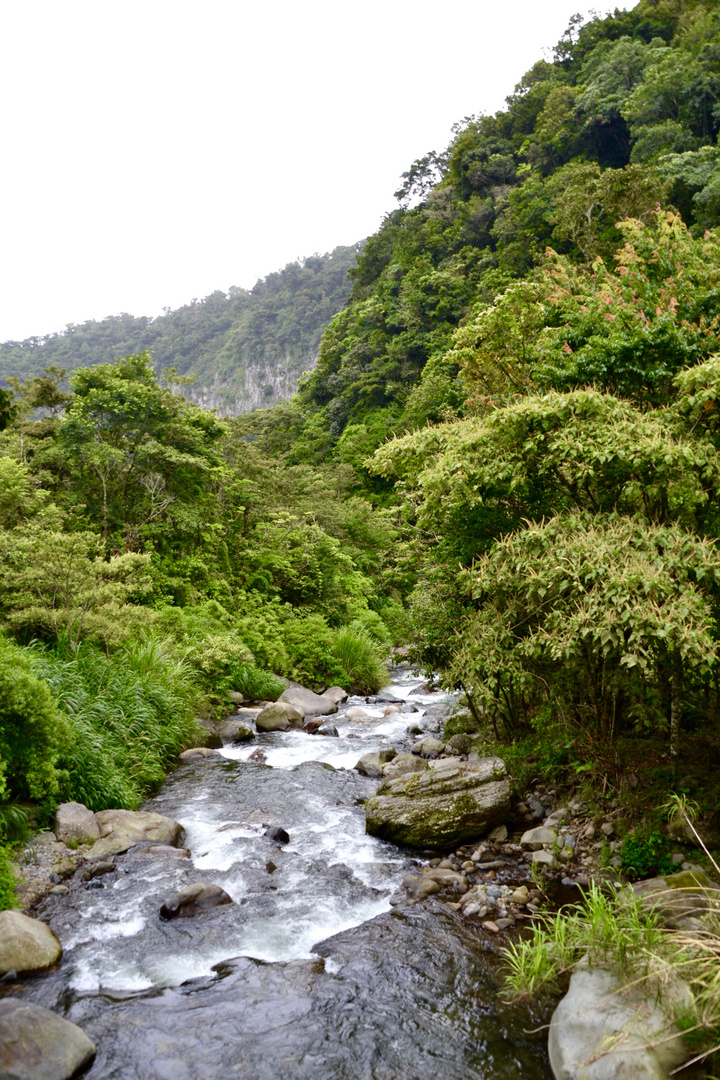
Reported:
(491, 927)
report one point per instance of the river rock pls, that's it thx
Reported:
(402, 764)
(461, 744)
(122, 829)
(35, 1044)
(328, 729)
(310, 703)
(193, 900)
(279, 716)
(533, 839)
(197, 753)
(356, 713)
(277, 834)
(604, 1031)
(242, 733)
(235, 697)
(74, 823)
(372, 764)
(429, 747)
(26, 945)
(444, 806)
(165, 849)
(336, 694)
(676, 897)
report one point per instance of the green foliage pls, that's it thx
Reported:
(33, 732)
(361, 658)
(646, 855)
(128, 715)
(8, 899)
(463, 723)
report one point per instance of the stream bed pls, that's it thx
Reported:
(311, 972)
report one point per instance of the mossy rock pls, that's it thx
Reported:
(463, 723)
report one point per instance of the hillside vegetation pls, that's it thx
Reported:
(507, 457)
(244, 348)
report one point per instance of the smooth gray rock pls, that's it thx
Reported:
(35, 1044)
(533, 839)
(336, 694)
(441, 807)
(429, 747)
(356, 713)
(26, 945)
(280, 716)
(122, 829)
(461, 744)
(372, 764)
(402, 764)
(601, 1031)
(193, 900)
(74, 823)
(311, 704)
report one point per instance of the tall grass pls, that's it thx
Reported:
(128, 713)
(361, 657)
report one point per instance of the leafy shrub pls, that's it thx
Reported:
(8, 898)
(128, 715)
(310, 645)
(463, 723)
(646, 856)
(32, 730)
(361, 658)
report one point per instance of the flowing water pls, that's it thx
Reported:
(311, 971)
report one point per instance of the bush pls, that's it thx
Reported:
(463, 723)
(361, 658)
(646, 856)
(32, 730)
(128, 716)
(8, 899)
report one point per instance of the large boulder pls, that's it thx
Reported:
(193, 900)
(26, 945)
(602, 1030)
(280, 716)
(336, 694)
(75, 824)
(310, 703)
(35, 1044)
(372, 764)
(676, 898)
(449, 803)
(122, 829)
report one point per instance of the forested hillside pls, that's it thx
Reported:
(245, 348)
(507, 456)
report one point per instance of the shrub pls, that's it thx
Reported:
(646, 856)
(360, 657)
(8, 899)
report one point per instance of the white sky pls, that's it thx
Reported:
(156, 150)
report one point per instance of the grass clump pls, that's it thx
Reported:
(360, 657)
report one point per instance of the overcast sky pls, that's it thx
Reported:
(156, 150)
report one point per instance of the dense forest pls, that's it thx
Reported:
(244, 348)
(506, 458)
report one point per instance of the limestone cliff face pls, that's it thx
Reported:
(252, 387)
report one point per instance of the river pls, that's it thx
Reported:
(311, 973)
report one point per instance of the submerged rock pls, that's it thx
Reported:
(311, 704)
(26, 945)
(446, 805)
(602, 1030)
(197, 753)
(75, 823)
(328, 729)
(279, 716)
(277, 834)
(35, 1044)
(193, 900)
(122, 829)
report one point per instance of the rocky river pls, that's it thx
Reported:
(322, 967)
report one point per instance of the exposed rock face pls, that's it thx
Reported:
(597, 1014)
(446, 805)
(280, 716)
(26, 945)
(74, 823)
(372, 764)
(35, 1044)
(336, 694)
(193, 900)
(310, 703)
(122, 829)
(198, 753)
